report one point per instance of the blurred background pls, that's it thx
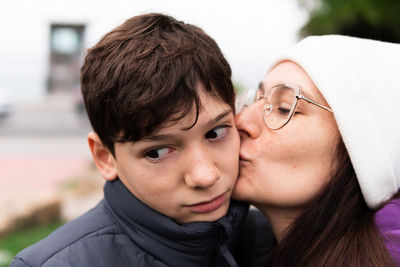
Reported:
(47, 177)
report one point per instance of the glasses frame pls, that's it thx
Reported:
(298, 96)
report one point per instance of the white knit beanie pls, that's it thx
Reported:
(360, 80)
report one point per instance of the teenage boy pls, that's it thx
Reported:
(159, 96)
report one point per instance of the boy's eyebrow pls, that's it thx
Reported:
(218, 118)
(163, 137)
(158, 137)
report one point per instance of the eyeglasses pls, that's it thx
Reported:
(280, 103)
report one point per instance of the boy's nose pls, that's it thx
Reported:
(201, 172)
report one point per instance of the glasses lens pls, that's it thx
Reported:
(279, 105)
(244, 99)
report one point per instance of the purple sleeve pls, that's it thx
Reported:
(387, 220)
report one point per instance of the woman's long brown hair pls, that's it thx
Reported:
(337, 229)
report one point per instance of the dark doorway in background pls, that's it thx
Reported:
(66, 45)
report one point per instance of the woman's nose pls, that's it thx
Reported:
(249, 121)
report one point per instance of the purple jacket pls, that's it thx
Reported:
(388, 222)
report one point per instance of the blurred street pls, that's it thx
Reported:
(42, 148)
(53, 115)
(41, 142)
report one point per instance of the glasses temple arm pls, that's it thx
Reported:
(313, 102)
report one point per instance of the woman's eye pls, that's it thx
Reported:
(283, 111)
(284, 108)
(158, 154)
(218, 132)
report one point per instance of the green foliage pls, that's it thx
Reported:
(14, 242)
(362, 18)
(238, 87)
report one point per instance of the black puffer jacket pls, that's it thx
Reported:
(122, 231)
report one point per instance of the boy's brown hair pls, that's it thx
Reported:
(146, 72)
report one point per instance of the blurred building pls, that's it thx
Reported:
(66, 53)
(43, 42)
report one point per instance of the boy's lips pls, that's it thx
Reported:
(208, 206)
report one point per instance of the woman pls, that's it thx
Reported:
(320, 153)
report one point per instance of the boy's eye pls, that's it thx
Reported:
(218, 132)
(158, 154)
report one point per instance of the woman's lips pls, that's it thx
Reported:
(243, 160)
(208, 206)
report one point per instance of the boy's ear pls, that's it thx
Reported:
(103, 158)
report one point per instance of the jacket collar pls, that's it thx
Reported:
(174, 244)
